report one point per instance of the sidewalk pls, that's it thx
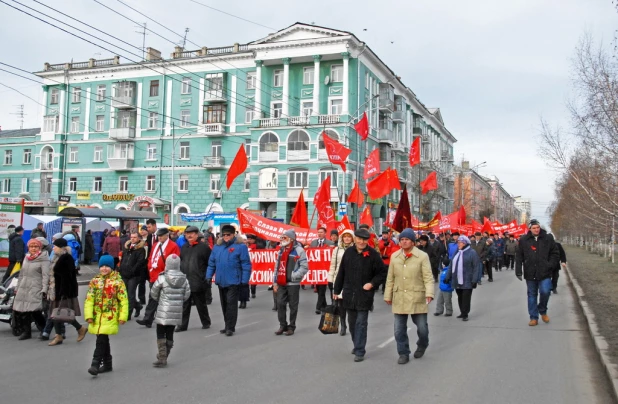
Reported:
(87, 273)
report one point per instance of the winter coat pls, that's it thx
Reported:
(444, 285)
(562, 255)
(297, 266)
(492, 252)
(409, 282)
(106, 304)
(386, 249)
(17, 248)
(133, 260)
(481, 248)
(170, 290)
(435, 251)
(500, 245)
(194, 262)
(230, 262)
(88, 248)
(510, 247)
(33, 282)
(37, 233)
(357, 269)
(112, 246)
(154, 269)
(539, 257)
(65, 289)
(472, 271)
(452, 249)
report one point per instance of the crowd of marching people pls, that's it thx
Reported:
(179, 272)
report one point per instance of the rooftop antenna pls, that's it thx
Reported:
(184, 40)
(143, 33)
(20, 115)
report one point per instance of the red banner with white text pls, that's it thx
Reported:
(271, 229)
(263, 265)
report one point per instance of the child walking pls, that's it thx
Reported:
(171, 290)
(106, 306)
(445, 296)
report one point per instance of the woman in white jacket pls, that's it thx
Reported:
(346, 240)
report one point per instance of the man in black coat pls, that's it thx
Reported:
(435, 250)
(556, 273)
(194, 262)
(361, 272)
(17, 251)
(132, 266)
(539, 255)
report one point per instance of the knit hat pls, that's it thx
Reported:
(57, 236)
(34, 241)
(424, 238)
(43, 241)
(291, 234)
(464, 239)
(172, 263)
(407, 233)
(106, 260)
(60, 243)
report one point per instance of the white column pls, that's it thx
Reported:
(112, 110)
(62, 112)
(43, 110)
(258, 88)
(138, 118)
(233, 106)
(286, 88)
(87, 115)
(168, 110)
(201, 102)
(316, 84)
(346, 83)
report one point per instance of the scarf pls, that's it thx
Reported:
(31, 257)
(458, 265)
(282, 278)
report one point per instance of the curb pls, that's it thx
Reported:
(600, 343)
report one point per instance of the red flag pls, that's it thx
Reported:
(462, 216)
(299, 217)
(487, 227)
(362, 127)
(239, 165)
(430, 183)
(344, 224)
(372, 164)
(366, 217)
(326, 216)
(356, 196)
(337, 153)
(393, 180)
(415, 152)
(403, 216)
(383, 184)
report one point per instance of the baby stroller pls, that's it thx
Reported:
(7, 295)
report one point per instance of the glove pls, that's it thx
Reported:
(209, 280)
(44, 296)
(474, 286)
(519, 277)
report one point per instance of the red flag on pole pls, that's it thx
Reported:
(430, 183)
(299, 217)
(415, 152)
(337, 153)
(462, 216)
(356, 196)
(366, 217)
(362, 127)
(326, 216)
(487, 227)
(372, 164)
(239, 165)
(383, 184)
(403, 216)
(344, 224)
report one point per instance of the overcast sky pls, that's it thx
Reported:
(493, 67)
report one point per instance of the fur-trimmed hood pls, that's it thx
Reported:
(139, 245)
(237, 240)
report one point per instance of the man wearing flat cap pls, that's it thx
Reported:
(361, 272)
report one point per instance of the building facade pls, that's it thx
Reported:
(525, 209)
(161, 134)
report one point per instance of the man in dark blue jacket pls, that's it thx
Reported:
(230, 265)
(16, 251)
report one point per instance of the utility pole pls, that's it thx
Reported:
(143, 33)
(184, 40)
(20, 115)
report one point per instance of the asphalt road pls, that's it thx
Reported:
(493, 358)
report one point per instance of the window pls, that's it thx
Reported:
(73, 184)
(186, 85)
(123, 184)
(215, 148)
(98, 154)
(154, 88)
(74, 124)
(336, 107)
(334, 183)
(185, 117)
(8, 157)
(126, 119)
(101, 89)
(215, 113)
(308, 74)
(153, 120)
(25, 185)
(248, 148)
(298, 140)
(297, 179)
(184, 150)
(77, 94)
(268, 178)
(215, 182)
(151, 151)
(249, 113)
(331, 134)
(97, 185)
(269, 143)
(100, 123)
(307, 108)
(247, 185)
(366, 81)
(27, 156)
(6, 186)
(276, 110)
(150, 183)
(73, 154)
(55, 95)
(214, 86)
(183, 183)
(278, 78)
(336, 73)
(251, 81)
(50, 124)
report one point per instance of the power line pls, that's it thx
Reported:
(233, 15)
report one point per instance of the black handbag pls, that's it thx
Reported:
(329, 321)
(62, 314)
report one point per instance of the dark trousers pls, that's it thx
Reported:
(49, 323)
(253, 290)
(24, 319)
(8, 271)
(464, 297)
(357, 321)
(243, 293)
(141, 288)
(151, 310)
(199, 300)
(401, 332)
(435, 272)
(498, 263)
(59, 326)
(131, 285)
(510, 261)
(102, 350)
(229, 305)
(165, 332)
(285, 295)
(488, 270)
(321, 303)
(554, 279)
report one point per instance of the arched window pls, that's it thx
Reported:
(331, 134)
(298, 140)
(268, 178)
(269, 147)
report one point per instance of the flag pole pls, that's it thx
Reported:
(312, 215)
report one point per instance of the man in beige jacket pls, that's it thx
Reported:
(409, 289)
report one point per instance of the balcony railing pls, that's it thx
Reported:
(270, 122)
(386, 135)
(124, 101)
(213, 162)
(120, 163)
(399, 116)
(211, 129)
(328, 119)
(298, 120)
(122, 134)
(47, 166)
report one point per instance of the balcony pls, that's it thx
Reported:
(328, 119)
(122, 134)
(298, 120)
(425, 138)
(385, 135)
(270, 122)
(213, 162)
(119, 163)
(399, 114)
(120, 156)
(124, 95)
(387, 98)
(399, 146)
(211, 129)
(417, 131)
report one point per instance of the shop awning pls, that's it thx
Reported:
(107, 213)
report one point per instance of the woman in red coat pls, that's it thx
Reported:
(112, 246)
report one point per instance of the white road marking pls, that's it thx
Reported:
(388, 341)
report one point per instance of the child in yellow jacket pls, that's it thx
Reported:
(105, 308)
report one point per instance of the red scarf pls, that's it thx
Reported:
(282, 278)
(32, 257)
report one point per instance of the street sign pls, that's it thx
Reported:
(343, 208)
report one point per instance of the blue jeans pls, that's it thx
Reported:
(534, 288)
(401, 332)
(357, 321)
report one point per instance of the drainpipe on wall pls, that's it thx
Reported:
(66, 123)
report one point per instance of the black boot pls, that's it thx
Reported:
(106, 366)
(138, 309)
(99, 354)
(25, 323)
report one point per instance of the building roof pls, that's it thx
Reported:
(20, 132)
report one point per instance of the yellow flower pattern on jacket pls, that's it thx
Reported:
(106, 304)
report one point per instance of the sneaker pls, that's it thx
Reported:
(533, 322)
(359, 358)
(545, 318)
(403, 359)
